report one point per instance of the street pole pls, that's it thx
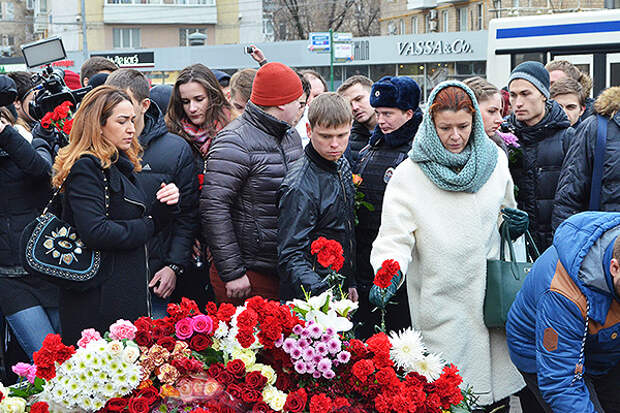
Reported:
(84, 39)
(331, 58)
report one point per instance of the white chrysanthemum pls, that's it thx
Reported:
(430, 366)
(222, 330)
(407, 348)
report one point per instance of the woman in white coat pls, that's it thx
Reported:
(440, 220)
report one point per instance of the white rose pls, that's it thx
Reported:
(130, 354)
(265, 370)
(13, 405)
(247, 356)
(114, 347)
(278, 401)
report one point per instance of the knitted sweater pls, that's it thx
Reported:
(443, 239)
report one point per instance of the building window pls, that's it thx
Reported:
(391, 28)
(184, 34)
(480, 10)
(414, 25)
(462, 20)
(401, 26)
(267, 26)
(42, 6)
(7, 11)
(427, 23)
(8, 40)
(126, 38)
(445, 21)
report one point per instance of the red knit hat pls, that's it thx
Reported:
(275, 84)
(72, 80)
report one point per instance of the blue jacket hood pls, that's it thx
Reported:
(582, 243)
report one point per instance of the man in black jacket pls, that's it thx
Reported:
(356, 90)
(247, 162)
(544, 133)
(574, 186)
(317, 199)
(166, 158)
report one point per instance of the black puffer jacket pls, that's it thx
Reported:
(246, 164)
(25, 189)
(316, 200)
(376, 164)
(358, 140)
(121, 235)
(575, 182)
(537, 171)
(168, 158)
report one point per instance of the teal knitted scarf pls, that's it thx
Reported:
(467, 171)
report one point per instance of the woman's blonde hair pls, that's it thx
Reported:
(86, 137)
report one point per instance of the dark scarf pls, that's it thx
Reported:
(400, 136)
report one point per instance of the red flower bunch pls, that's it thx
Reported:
(39, 407)
(268, 320)
(141, 400)
(246, 388)
(52, 351)
(60, 118)
(329, 253)
(155, 332)
(383, 278)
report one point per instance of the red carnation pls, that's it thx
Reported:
(320, 403)
(236, 367)
(362, 369)
(226, 312)
(39, 407)
(138, 405)
(116, 404)
(329, 253)
(296, 401)
(383, 278)
(46, 122)
(211, 308)
(67, 125)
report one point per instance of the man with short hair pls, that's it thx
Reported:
(25, 95)
(316, 200)
(317, 86)
(544, 133)
(356, 90)
(95, 65)
(166, 158)
(563, 327)
(562, 69)
(247, 162)
(575, 184)
(569, 95)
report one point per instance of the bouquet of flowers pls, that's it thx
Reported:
(61, 118)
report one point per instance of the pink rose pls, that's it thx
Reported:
(26, 370)
(184, 328)
(202, 324)
(88, 335)
(122, 329)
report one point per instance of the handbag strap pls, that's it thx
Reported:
(597, 167)
(106, 194)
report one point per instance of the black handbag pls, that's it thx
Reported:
(505, 278)
(52, 249)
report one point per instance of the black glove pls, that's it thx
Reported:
(517, 221)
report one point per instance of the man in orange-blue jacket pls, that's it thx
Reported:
(564, 327)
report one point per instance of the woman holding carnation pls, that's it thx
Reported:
(440, 223)
(103, 203)
(197, 111)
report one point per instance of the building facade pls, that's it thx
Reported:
(400, 17)
(16, 22)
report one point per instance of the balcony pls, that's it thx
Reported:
(442, 2)
(160, 12)
(421, 4)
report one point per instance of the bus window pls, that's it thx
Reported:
(518, 58)
(614, 69)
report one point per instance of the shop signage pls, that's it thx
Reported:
(432, 47)
(140, 59)
(64, 63)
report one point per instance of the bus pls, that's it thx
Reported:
(589, 40)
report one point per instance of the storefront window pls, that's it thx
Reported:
(378, 71)
(355, 70)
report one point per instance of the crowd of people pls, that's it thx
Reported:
(216, 187)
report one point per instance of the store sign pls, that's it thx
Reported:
(432, 47)
(64, 63)
(141, 59)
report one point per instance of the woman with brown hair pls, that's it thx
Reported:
(105, 205)
(440, 223)
(197, 111)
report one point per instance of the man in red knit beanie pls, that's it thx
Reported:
(247, 162)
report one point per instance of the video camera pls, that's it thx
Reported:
(50, 88)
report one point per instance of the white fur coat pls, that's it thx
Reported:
(443, 240)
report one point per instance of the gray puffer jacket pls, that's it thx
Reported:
(246, 164)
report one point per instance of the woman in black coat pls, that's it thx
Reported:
(107, 208)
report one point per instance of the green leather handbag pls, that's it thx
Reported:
(505, 278)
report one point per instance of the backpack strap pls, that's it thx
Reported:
(597, 167)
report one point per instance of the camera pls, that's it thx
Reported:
(249, 49)
(51, 90)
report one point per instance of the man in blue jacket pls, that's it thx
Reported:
(564, 327)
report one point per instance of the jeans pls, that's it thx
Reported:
(603, 391)
(32, 325)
